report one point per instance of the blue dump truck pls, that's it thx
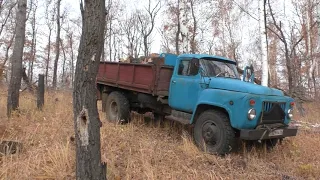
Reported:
(204, 91)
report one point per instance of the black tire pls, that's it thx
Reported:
(213, 133)
(104, 99)
(271, 143)
(158, 119)
(118, 108)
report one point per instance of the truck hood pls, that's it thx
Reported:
(241, 86)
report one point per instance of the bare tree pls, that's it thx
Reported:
(49, 19)
(70, 40)
(16, 59)
(172, 26)
(64, 62)
(86, 116)
(9, 44)
(177, 12)
(68, 46)
(263, 39)
(130, 30)
(7, 16)
(57, 46)
(193, 44)
(289, 46)
(147, 22)
(32, 55)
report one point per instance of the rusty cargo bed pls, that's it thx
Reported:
(145, 78)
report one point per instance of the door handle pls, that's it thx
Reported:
(173, 82)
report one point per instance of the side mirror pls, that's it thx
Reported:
(248, 74)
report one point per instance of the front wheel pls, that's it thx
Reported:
(271, 143)
(213, 132)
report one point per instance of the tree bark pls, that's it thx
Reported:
(64, 63)
(194, 31)
(7, 49)
(55, 67)
(110, 42)
(86, 117)
(178, 29)
(40, 93)
(264, 50)
(16, 59)
(72, 59)
(33, 45)
(48, 55)
(26, 80)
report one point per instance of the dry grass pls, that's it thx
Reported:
(140, 151)
(313, 113)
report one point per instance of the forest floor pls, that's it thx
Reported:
(140, 151)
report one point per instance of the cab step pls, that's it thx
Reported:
(180, 116)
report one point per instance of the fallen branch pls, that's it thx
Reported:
(27, 87)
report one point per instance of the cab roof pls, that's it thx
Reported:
(206, 56)
(170, 59)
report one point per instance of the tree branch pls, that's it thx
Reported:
(7, 17)
(281, 36)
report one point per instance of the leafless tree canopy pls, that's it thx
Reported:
(227, 28)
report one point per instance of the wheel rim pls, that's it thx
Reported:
(113, 110)
(210, 133)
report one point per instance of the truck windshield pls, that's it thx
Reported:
(213, 68)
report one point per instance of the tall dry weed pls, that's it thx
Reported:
(140, 150)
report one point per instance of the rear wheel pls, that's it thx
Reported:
(118, 108)
(213, 132)
(158, 119)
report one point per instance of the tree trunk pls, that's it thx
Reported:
(145, 44)
(33, 46)
(40, 92)
(72, 60)
(193, 41)
(86, 116)
(115, 48)
(33, 58)
(289, 69)
(55, 67)
(178, 29)
(110, 42)
(264, 50)
(7, 49)
(16, 59)
(64, 63)
(48, 56)
(26, 80)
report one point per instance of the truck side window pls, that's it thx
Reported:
(194, 67)
(184, 68)
(188, 67)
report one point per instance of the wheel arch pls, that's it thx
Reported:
(206, 106)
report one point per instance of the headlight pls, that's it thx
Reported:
(290, 113)
(251, 114)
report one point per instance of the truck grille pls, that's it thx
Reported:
(267, 106)
(273, 112)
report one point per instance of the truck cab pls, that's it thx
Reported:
(224, 107)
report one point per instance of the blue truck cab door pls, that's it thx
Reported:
(185, 85)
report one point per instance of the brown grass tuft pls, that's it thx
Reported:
(139, 150)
